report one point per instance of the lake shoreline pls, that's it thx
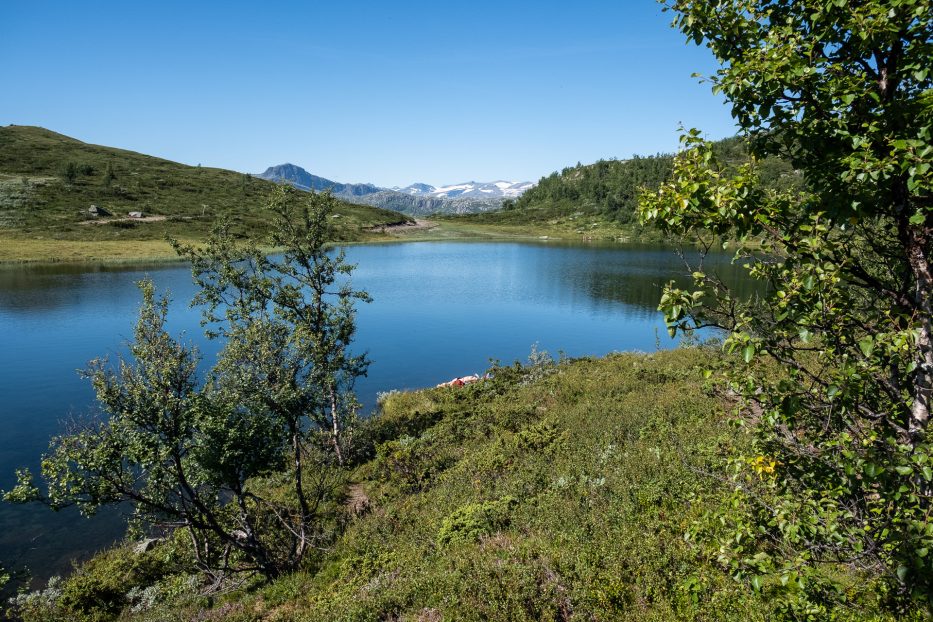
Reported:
(76, 252)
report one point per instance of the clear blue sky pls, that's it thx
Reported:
(385, 92)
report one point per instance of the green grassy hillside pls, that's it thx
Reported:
(49, 181)
(599, 200)
(552, 492)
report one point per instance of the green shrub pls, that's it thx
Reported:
(544, 437)
(410, 463)
(99, 590)
(69, 172)
(468, 523)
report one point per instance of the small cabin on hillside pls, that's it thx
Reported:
(96, 211)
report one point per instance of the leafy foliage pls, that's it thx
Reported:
(838, 357)
(101, 588)
(470, 522)
(298, 311)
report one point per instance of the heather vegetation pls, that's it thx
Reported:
(555, 490)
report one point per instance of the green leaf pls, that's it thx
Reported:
(748, 352)
(902, 572)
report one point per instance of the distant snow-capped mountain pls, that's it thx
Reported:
(470, 189)
(415, 189)
(415, 199)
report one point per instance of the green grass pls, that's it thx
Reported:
(545, 222)
(40, 206)
(548, 493)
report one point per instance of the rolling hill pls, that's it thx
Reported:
(49, 183)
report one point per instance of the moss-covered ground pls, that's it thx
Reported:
(550, 492)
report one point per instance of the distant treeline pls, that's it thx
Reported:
(607, 187)
(610, 188)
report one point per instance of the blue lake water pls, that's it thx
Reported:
(441, 309)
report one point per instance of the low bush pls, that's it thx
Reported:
(470, 522)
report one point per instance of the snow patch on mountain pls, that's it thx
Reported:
(494, 189)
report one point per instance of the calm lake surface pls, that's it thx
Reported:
(440, 310)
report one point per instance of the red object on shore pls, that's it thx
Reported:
(459, 382)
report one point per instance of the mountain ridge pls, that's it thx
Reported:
(415, 199)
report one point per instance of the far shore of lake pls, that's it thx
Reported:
(45, 250)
